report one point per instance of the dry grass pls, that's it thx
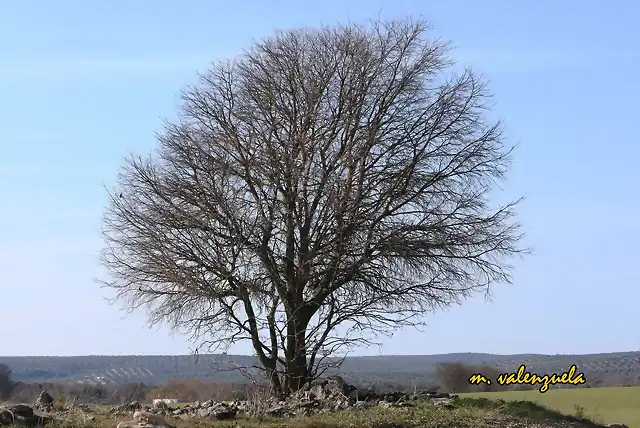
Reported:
(467, 413)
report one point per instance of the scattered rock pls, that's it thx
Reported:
(126, 408)
(133, 405)
(24, 415)
(160, 405)
(222, 411)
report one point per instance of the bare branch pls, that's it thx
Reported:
(324, 188)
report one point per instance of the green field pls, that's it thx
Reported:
(608, 405)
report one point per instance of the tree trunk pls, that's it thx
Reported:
(297, 371)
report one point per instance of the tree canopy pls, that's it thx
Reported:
(323, 187)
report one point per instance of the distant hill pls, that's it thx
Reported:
(154, 369)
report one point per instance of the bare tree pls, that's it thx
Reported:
(322, 188)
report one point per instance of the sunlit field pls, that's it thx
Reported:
(608, 405)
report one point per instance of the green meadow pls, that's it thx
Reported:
(604, 405)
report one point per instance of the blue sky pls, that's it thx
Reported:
(82, 83)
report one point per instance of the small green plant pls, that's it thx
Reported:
(579, 411)
(60, 401)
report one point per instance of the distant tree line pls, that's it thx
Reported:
(6, 385)
(449, 377)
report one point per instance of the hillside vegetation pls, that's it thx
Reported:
(622, 368)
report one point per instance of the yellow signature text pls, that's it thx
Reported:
(523, 377)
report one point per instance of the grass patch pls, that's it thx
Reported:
(605, 405)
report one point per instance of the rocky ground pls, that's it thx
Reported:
(330, 395)
(345, 405)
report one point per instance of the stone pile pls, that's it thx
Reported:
(209, 409)
(331, 394)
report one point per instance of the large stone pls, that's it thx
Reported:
(134, 424)
(6, 417)
(148, 418)
(21, 414)
(222, 412)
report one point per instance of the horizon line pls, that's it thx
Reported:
(348, 356)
